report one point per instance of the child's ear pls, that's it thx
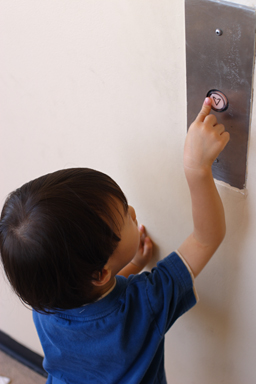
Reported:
(101, 278)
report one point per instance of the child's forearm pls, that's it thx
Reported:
(205, 140)
(207, 210)
(130, 269)
(209, 221)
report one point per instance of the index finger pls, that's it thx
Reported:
(206, 109)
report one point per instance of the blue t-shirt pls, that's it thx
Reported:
(120, 338)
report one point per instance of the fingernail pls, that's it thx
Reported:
(208, 101)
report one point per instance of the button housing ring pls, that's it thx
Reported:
(219, 99)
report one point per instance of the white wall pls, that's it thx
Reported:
(102, 84)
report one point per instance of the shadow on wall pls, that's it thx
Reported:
(219, 287)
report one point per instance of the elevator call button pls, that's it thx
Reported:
(219, 100)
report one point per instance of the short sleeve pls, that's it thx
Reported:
(170, 291)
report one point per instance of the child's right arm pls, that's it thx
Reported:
(205, 140)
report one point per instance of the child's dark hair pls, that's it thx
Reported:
(56, 232)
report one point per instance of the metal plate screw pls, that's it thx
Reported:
(218, 32)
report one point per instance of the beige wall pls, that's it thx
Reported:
(102, 84)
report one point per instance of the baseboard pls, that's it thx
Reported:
(22, 354)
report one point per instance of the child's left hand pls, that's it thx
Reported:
(145, 251)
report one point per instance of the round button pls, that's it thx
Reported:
(219, 100)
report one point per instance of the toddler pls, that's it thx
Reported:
(72, 250)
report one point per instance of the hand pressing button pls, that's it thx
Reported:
(219, 100)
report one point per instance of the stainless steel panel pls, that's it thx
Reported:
(220, 42)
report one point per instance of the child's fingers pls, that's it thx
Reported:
(224, 136)
(145, 251)
(148, 248)
(206, 109)
(211, 119)
(225, 139)
(145, 241)
(142, 234)
(220, 128)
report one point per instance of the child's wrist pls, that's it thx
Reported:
(199, 172)
(138, 267)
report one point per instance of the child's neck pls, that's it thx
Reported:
(105, 289)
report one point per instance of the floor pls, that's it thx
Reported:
(18, 373)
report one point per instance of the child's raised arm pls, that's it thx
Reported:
(205, 140)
